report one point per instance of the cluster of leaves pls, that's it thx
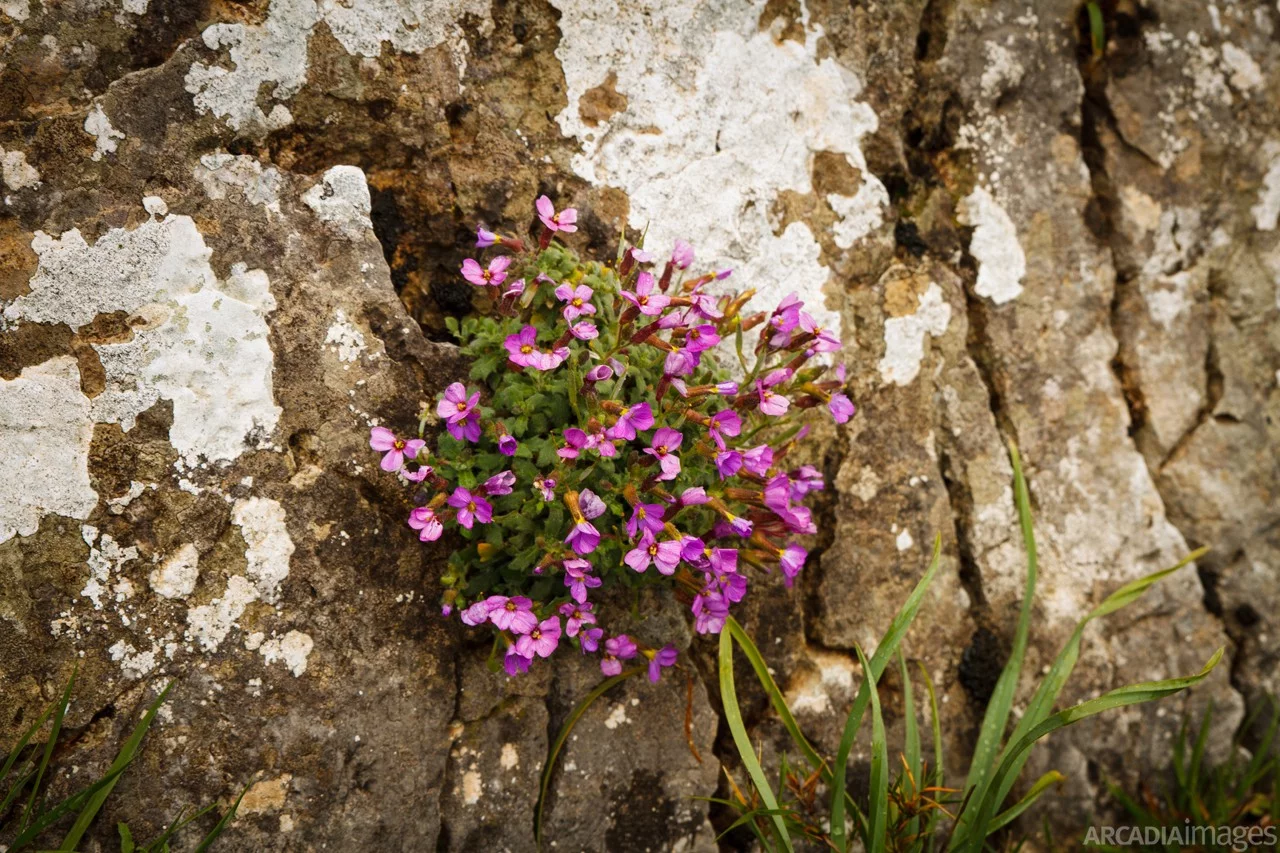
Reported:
(26, 816)
(1241, 793)
(917, 811)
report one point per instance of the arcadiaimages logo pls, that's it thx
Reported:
(1239, 838)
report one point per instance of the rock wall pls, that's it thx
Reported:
(228, 242)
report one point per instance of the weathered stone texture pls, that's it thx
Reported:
(228, 243)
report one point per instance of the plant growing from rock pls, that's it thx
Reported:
(626, 426)
(917, 812)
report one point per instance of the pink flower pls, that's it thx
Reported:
(507, 445)
(645, 517)
(590, 504)
(665, 442)
(578, 578)
(727, 422)
(650, 304)
(616, 650)
(395, 450)
(806, 479)
(522, 348)
(512, 614)
(694, 496)
(631, 419)
(574, 442)
(665, 555)
(578, 299)
(456, 405)
(583, 538)
(728, 463)
(471, 508)
(467, 429)
(578, 614)
(477, 613)
(841, 407)
(824, 339)
(424, 520)
(485, 238)
(710, 613)
(552, 360)
(701, 338)
(515, 663)
(758, 459)
(541, 640)
(680, 362)
(599, 373)
(495, 275)
(785, 318)
(515, 288)
(664, 657)
(590, 639)
(682, 255)
(585, 331)
(499, 484)
(546, 486)
(793, 557)
(563, 221)
(770, 403)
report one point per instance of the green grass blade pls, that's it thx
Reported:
(733, 716)
(878, 807)
(574, 715)
(59, 714)
(911, 741)
(16, 752)
(939, 774)
(1041, 704)
(123, 759)
(1042, 784)
(221, 825)
(126, 838)
(1197, 753)
(996, 719)
(52, 816)
(1132, 694)
(888, 646)
(776, 698)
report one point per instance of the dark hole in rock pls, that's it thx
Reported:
(980, 666)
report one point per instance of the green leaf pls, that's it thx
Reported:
(911, 741)
(1042, 784)
(123, 759)
(126, 838)
(574, 715)
(939, 775)
(222, 824)
(59, 714)
(1132, 694)
(733, 717)
(878, 815)
(996, 719)
(451, 323)
(888, 646)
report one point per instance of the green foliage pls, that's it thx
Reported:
(908, 814)
(1240, 793)
(24, 770)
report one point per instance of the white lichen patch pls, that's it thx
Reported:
(472, 787)
(269, 60)
(16, 172)
(97, 125)
(720, 120)
(1266, 213)
(197, 341)
(344, 338)
(221, 172)
(1245, 73)
(904, 540)
(106, 558)
(341, 198)
(408, 26)
(18, 10)
(904, 337)
(262, 524)
(118, 505)
(45, 432)
(994, 245)
(209, 624)
(292, 650)
(510, 758)
(176, 576)
(133, 663)
(616, 717)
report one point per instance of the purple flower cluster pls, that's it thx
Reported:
(611, 437)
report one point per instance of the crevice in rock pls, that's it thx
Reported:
(1124, 27)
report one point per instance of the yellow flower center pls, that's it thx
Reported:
(526, 349)
(471, 506)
